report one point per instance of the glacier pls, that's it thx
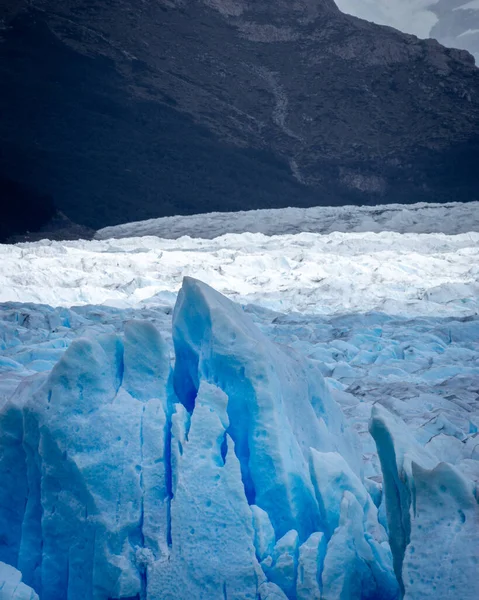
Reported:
(310, 273)
(11, 585)
(197, 444)
(202, 479)
(450, 218)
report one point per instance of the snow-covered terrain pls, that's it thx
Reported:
(318, 440)
(449, 218)
(417, 274)
(454, 23)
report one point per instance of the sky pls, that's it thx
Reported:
(411, 16)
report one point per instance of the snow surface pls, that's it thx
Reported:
(451, 218)
(157, 445)
(322, 274)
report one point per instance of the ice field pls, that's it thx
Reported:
(300, 421)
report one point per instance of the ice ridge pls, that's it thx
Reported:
(226, 471)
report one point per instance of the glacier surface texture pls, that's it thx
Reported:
(184, 445)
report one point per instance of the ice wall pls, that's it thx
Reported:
(433, 516)
(228, 471)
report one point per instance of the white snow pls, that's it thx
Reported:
(312, 273)
(451, 218)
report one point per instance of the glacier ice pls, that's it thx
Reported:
(145, 482)
(433, 515)
(347, 271)
(211, 552)
(11, 585)
(451, 218)
(279, 406)
(443, 552)
(358, 560)
(310, 563)
(213, 460)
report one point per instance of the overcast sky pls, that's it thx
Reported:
(411, 16)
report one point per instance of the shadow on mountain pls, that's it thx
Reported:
(23, 209)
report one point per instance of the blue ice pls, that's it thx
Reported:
(216, 467)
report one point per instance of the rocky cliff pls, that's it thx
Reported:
(125, 110)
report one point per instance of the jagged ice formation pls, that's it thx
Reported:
(228, 471)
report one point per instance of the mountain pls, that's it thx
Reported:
(23, 209)
(124, 110)
(454, 23)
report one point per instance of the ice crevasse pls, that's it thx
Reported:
(227, 472)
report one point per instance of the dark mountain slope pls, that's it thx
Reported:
(125, 110)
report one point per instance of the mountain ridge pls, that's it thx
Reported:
(454, 23)
(126, 112)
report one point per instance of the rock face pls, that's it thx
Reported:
(126, 110)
